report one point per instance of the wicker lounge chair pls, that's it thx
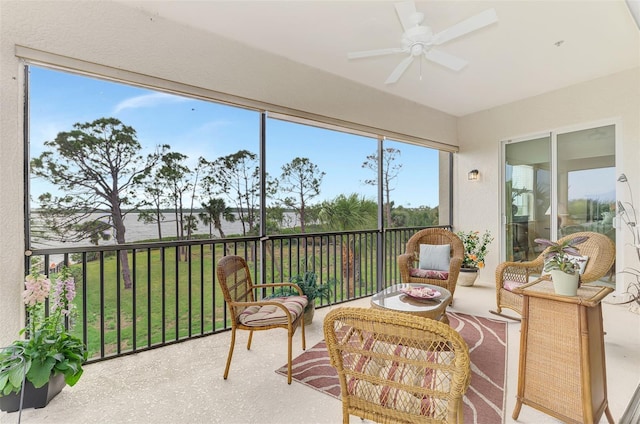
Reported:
(248, 314)
(408, 261)
(598, 247)
(397, 368)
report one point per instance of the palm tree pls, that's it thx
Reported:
(351, 212)
(344, 213)
(215, 211)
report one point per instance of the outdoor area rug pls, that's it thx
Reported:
(487, 340)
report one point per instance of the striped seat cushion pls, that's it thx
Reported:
(272, 314)
(428, 273)
(436, 379)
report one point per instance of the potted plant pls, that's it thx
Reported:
(50, 357)
(561, 263)
(476, 247)
(308, 282)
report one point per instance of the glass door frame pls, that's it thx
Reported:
(553, 134)
(503, 203)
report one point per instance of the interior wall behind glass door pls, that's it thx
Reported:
(527, 197)
(586, 182)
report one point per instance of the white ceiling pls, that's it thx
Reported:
(511, 60)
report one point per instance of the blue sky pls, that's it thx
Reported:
(201, 128)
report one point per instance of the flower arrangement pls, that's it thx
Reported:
(475, 247)
(50, 348)
(561, 256)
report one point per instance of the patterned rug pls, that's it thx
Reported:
(484, 401)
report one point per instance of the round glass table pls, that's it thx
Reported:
(393, 299)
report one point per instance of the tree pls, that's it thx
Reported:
(390, 171)
(236, 176)
(349, 213)
(154, 196)
(214, 211)
(175, 176)
(301, 179)
(98, 168)
(414, 217)
(345, 213)
(275, 219)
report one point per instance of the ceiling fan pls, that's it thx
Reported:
(419, 40)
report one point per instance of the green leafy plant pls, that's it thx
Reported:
(308, 282)
(50, 348)
(561, 256)
(476, 247)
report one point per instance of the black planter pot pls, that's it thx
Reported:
(33, 398)
(309, 312)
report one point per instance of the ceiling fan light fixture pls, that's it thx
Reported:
(419, 39)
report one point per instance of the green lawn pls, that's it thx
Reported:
(172, 300)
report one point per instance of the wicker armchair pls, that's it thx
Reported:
(248, 314)
(435, 236)
(598, 247)
(397, 368)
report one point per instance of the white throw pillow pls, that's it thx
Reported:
(435, 257)
(581, 261)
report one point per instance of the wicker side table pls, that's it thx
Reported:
(562, 364)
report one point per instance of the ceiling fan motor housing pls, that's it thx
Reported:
(419, 40)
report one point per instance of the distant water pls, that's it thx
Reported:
(138, 230)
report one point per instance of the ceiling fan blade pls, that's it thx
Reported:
(445, 59)
(397, 73)
(405, 11)
(478, 21)
(378, 52)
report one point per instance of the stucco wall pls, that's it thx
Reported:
(120, 37)
(614, 98)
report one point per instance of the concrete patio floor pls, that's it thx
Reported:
(183, 383)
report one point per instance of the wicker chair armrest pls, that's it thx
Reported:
(267, 285)
(405, 263)
(454, 265)
(454, 270)
(517, 271)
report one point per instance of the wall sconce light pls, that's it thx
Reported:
(474, 175)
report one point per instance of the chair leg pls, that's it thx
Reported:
(607, 412)
(460, 414)
(503, 315)
(290, 342)
(230, 355)
(249, 340)
(304, 340)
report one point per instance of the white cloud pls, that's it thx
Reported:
(148, 100)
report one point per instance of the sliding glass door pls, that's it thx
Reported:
(586, 178)
(526, 200)
(555, 185)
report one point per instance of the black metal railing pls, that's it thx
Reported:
(135, 297)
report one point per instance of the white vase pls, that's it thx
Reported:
(467, 276)
(565, 284)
